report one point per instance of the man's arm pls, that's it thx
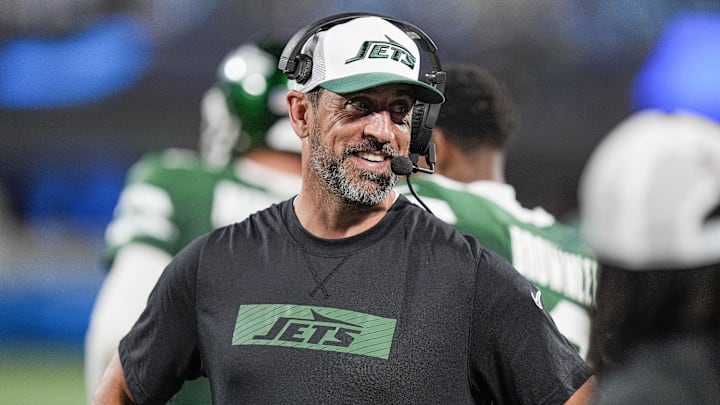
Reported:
(583, 395)
(119, 303)
(113, 389)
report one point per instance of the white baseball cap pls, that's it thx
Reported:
(362, 53)
(647, 192)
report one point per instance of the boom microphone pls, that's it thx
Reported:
(401, 165)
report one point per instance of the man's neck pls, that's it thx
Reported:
(484, 164)
(326, 216)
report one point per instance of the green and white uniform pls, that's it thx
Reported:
(171, 198)
(548, 253)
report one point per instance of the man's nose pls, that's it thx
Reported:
(380, 126)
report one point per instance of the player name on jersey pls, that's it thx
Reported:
(545, 264)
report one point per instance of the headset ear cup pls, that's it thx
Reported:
(303, 69)
(419, 136)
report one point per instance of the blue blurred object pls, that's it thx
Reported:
(103, 60)
(682, 72)
(56, 309)
(81, 193)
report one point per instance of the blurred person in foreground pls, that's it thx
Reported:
(649, 201)
(248, 158)
(468, 190)
(348, 292)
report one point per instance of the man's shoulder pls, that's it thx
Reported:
(171, 158)
(455, 203)
(174, 167)
(163, 162)
(490, 211)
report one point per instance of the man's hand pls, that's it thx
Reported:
(113, 389)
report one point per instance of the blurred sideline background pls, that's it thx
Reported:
(88, 86)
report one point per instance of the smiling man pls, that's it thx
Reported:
(348, 292)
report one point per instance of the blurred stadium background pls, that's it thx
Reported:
(87, 86)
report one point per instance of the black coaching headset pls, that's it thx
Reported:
(298, 67)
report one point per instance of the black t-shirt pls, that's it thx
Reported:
(410, 311)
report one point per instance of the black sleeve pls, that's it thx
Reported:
(161, 350)
(517, 354)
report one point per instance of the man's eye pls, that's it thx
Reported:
(399, 112)
(400, 109)
(359, 105)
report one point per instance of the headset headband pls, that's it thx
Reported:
(288, 58)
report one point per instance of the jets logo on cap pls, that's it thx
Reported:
(384, 50)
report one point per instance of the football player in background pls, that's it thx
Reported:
(248, 158)
(468, 190)
(649, 199)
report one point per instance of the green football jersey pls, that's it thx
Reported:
(171, 198)
(548, 253)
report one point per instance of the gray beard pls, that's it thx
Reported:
(367, 190)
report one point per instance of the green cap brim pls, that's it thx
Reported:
(423, 91)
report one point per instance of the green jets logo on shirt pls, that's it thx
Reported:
(316, 328)
(384, 50)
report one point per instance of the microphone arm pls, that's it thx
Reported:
(430, 159)
(405, 166)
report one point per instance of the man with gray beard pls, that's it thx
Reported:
(348, 292)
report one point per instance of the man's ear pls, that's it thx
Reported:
(298, 106)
